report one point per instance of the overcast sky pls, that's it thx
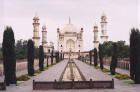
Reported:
(122, 15)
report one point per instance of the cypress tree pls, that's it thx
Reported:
(113, 64)
(135, 55)
(61, 56)
(9, 58)
(47, 61)
(101, 56)
(90, 56)
(30, 57)
(95, 57)
(41, 58)
(52, 57)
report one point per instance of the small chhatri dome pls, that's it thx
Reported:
(44, 26)
(70, 27)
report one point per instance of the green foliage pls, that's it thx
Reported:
(23, 77)
(97, 67)
(41, 58)
(21, 49)
(37, 71)
(36, 53)
(57, 56)
(123, 50)
(122, 76)
(30, 57)
(113, 64)
(52, 57)
(128, 81)
(106, 70)
(1, 56)
(135, 55)
(90, 56)
(101, 55)
(9, 58)
(95, 57)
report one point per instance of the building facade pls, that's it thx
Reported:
(70, 39)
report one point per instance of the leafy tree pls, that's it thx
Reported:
(21, 49)
(41, 58)
(30, 57)
(113, 64)
(36, 53)
(123, 49)
(95, 57)
(90, 56)
(135, 55)
(9, 58)
(101, 55)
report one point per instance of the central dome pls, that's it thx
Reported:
(70, 28)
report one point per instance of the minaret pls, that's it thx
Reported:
(104, 36)
(96, 42)
(36, 37)
(44, 38)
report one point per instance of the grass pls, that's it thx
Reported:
(129, 81)
(19, 82)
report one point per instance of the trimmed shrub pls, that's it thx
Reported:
(9, 57)
(95, 57)
(23, 77)
(41, 58)
(106, 70)
(114, 60)
(122, 76)
(30, 57)
(101, 56)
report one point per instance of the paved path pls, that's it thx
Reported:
(48, 75)
(24, 71)
(88, 71)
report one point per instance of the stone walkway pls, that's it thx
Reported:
(99, 75)
(24, 71)
(48, 75)
(88, 71)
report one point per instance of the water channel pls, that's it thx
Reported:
(72, 72)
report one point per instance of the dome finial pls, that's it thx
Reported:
(69, 20)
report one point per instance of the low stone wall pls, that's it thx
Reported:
(44, 85)
(21, 65)
(122, 63)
